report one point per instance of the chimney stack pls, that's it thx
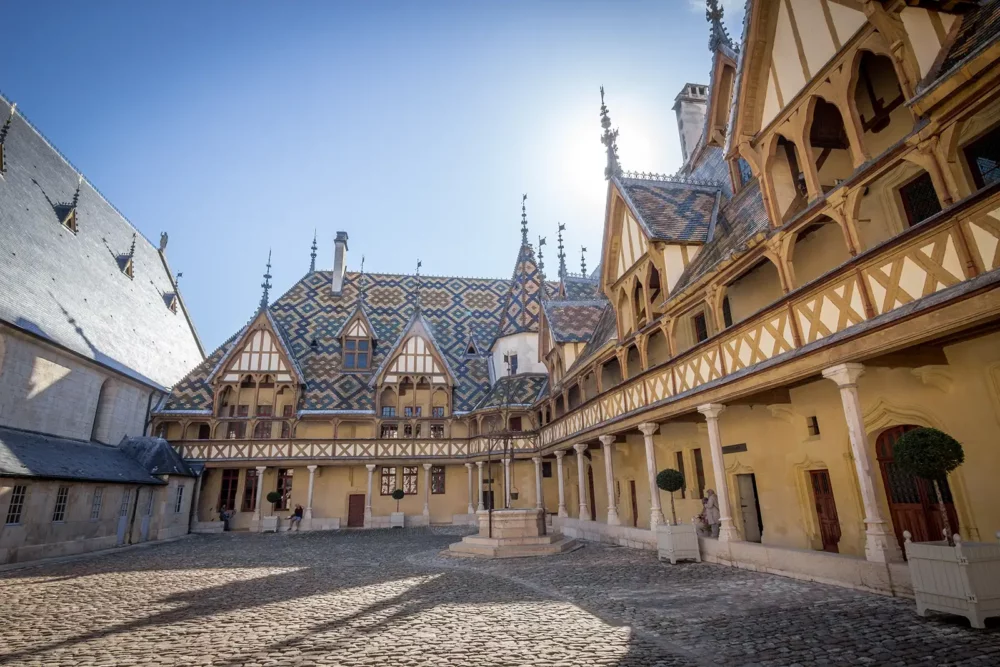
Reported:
(691, 105)
(339, 262)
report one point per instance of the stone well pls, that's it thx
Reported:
(515, 533)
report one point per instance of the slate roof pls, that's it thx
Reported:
(67, 287)
(671, 211)
(524, 298)
(522, 389)
(605, 330)
(156, 456)
(980, 27)
(579, 288)
(573, 321)
(29, 454)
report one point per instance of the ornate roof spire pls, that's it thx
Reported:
(524, 221)
(562, 253)
(541, 262)
(131, 250)
(312, 255)
(583, 260)
(266, 285)
(417, 295)
(610, 141)
(719, 34)
(361, 282)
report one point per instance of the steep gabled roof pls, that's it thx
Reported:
(605, 331)
(573, 321)
(67, 288)
(360, 313)
(521, 390)
(262, 321)
(980, 28)
(418, 327)
(671, 210)
(524, 298)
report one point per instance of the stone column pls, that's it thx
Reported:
(727, 531)
(307, 517)
(427, 492)
(608, 443)
(368, 496)
(506, 482)
(881, 545)
(655, 512)
(562, 484)
(582, 478)
(481, 506)
(472, 508)
(539, 500)
(260, 493)
(196, 501)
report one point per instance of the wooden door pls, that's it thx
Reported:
(635, 503)
(590, 486)
(826, 510)
(912, 501)
(356, 510)
(749, 507)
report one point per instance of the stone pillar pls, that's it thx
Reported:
(472, 508)
(655, 512)
(260, 493)
(506, 482)
(539, 500)
(881, 545)
(196, 501)
(562, 484)
(608, 444)
(427, 492)
(481, 506)
(727, 531)
(308, 515)
(368, 496)
(582, 478)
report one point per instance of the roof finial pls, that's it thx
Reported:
(610, 141)
(6, 127)
(417, 300)
(267, 283)
(361, 282)
(583, 260)
(177, 279)
(131, 250)
(524, 221)
(541, 262)
(76, 195)
(312, 255)
(562, 253)
(719, 34)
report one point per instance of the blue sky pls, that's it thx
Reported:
(414, 126)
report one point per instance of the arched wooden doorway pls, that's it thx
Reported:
(912, 502)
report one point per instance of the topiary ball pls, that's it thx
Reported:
(273, 497)
(398, 494)
(670, 480)
(928, 453)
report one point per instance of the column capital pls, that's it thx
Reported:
(580, 447)
(427, 466)
(480, 464)
(261, 469)
(469, 466)
(711, 410)
(312, 468)
(536, 459)
(649, 428)
(370, 466)
(559, 453)
(607, 440)
(845, 375)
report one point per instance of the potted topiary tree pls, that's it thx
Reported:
(269, 523)
(947, 575)
(397, 519)
(675, 541)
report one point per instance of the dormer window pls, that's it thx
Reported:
(127, 267)
(69, 221)
(357, 354)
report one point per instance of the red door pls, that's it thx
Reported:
(356, 510)
(912, 501)
(826, 510)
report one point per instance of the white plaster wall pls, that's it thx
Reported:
(525, 346)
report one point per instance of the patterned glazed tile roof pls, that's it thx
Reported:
(520, 390)
(671, 211)
(524, 298)
(579, 288)
(573, 321)
(980, 27)
(711, 166)
(457, 310)
(67, 287)
(605, 330)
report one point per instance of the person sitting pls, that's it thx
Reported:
(296, 518)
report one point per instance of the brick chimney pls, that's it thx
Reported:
(339, 262)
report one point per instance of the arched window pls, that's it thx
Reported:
(102, 415)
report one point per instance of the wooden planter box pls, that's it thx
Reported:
(269, 524)
(962, 580)
(678, 542)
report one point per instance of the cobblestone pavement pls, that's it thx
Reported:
(391, 598)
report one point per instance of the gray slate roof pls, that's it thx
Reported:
(68, 288)
(29, 454)
(156, 456)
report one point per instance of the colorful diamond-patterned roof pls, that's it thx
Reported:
(520, 390)
(458, 309)
(671, 211)
(524, 299)
(573, 321)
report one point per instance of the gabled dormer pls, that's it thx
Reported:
(357, 340)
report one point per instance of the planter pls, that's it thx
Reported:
(963, 580)
(397, 519)
(678, 542)
(269, 524)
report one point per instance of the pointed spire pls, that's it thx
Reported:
(541, 262)
(417, 296)
(719, 34)
(610, 141)
(361, 282)
(583, 261)
(131, 250)
(524, 221)
(312, 255)
(266, 285)
(562, 253)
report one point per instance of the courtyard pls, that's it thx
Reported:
(390, 598)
